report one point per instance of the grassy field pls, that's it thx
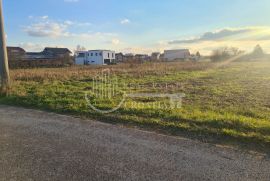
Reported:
(228, 104)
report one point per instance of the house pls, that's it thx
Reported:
(48, 54)
(15, 53)
(129, 57)
(194, 57)
(180, 54)
(57, 52)
(15, 50)
(48, 57)
(161, 57)
(155, 56)
(141, 57)
(119, 57)
(37, 56)
(95, 57)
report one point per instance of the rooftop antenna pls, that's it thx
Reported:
(4, 70)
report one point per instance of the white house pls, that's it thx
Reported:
(95, 57)
(171, 55)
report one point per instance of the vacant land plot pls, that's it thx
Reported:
(224, 104)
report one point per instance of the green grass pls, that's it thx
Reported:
(227, 105)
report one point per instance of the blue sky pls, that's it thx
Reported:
(137, 26)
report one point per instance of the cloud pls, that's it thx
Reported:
(91, 35)
(43, 27)
(32, 46)
(45, 17)
(46, 29)
(125, 21)
(245, 33)
(116, 41)
(75, 23)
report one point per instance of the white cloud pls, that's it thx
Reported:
(45, 27)
(31, 46)
(75, 23)
(115, 41)
(45, 17)
(228, 34)
(125, 21)
(244, 38)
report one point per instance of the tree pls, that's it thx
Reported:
(198, 54)
(258, 51)
(235, 51)
(4, 70)
(225, 53)
(220, 54)
(80, 48)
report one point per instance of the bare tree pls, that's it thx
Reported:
(4, 70)
(80, 48)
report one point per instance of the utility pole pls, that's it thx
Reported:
(4, 69)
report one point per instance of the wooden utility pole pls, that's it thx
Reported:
(4, 70)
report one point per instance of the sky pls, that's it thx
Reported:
(138, 26)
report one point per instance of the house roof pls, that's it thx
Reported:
(34, 53)
(177, 50)
(119, 54)
(37, 55)
(58, 50)
(100, 50)
(15, 49)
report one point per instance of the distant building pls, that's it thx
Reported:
(142, 57)
(48, 54)
(95, 57)
(15, 53)
(194, 57)
(155, 56)
(37, 56)
(16, 50)
(119, 57)
(129, 57)
(57, 52)
(18, 57)
(161, 56)
(180, 54)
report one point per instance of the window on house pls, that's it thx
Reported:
(91, 54)
(96, 54)
(80, 55)
(108, 55)
(100, 54)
